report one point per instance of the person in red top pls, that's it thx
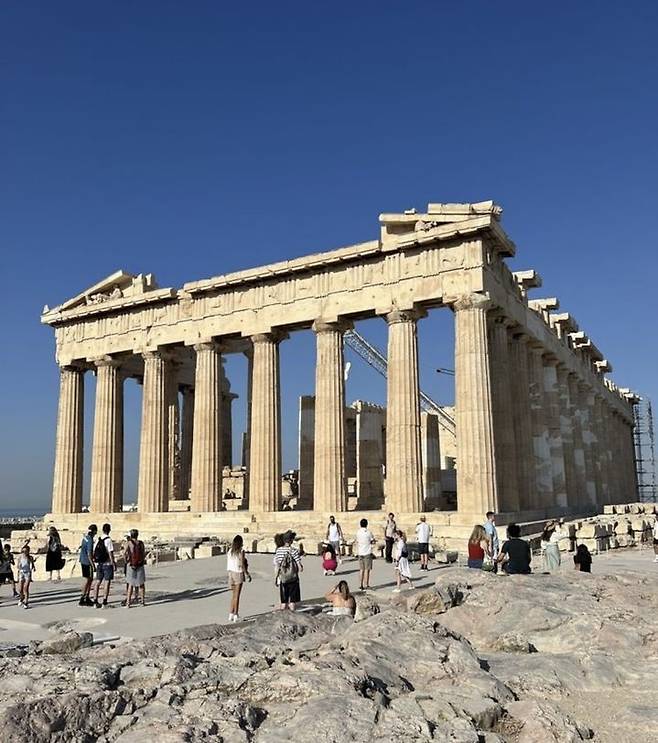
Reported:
(478, 546)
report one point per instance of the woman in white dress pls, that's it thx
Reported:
(402, 568)
(550, 546)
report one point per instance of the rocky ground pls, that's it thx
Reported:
(476, 659)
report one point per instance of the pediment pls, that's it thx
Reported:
(116, 286)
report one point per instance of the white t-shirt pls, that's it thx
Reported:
(233, 562)
(655, 529)
(334, 534)
(423, 532)
(364, 540)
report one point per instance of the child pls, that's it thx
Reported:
(583, 559)
(6, 571)
(25, 569)
(329, 561)
(402, 569)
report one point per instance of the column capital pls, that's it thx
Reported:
(396, 316)
(473, 301)
(327, 326)
(550, 359)
(101, 361)
(73, 366)
(519, 334)
(208, 345)
(274, 336)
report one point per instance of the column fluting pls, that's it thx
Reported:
(543, 490)
(580, 469)
(522, 420)
(552, 414)
(67, 479)
(187, 438)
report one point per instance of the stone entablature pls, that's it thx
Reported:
(550, 441)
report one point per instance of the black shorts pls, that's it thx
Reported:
(87, 571)
(423, 548)
(655, 542)
(6, 577)
(290, 592)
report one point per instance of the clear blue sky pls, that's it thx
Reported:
(155, 136)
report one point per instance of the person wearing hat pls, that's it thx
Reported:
(423, 534)
(288, 564)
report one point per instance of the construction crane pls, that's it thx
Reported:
(377, 360)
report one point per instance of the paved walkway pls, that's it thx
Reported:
(194, 592)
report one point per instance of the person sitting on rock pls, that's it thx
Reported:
(478, 547)
(342, 602)
(582, 559)
(515, 553)
(329, 561)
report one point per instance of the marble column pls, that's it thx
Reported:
(580, 470)
(206, 488)
(67, 480)
(329, 485)
(543, 491)
(173, 427)
(601, 462)
(246, 437)
(567, 415)
(265, 430)
(587, 424)
(522, 419)
(477, 489)
(107, 450)
(404, 482)
(503, 419)
(552, 414)
(187, 438)
(153, 455)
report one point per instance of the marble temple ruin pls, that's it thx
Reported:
(540, 430)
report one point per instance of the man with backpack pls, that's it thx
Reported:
(289, 564)
(135, 556)
(105, 564)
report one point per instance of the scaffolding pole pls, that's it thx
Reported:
(645, 453)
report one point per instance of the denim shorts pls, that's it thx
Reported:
(105, 572)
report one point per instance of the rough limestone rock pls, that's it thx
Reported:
(366, 606)
(67, 642)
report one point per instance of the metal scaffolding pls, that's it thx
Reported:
(645, 454)
(377, 360)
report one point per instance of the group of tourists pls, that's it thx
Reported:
(515, 555)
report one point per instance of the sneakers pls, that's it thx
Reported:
(230, 617)
(82, 601)
(24, 605)
(89, 601)
(98, 604)
(20, 602)
(236, 617)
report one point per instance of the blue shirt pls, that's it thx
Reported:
(492, 534)
(86, 549)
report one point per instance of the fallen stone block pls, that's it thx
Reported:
(69, 642)
(207, 550)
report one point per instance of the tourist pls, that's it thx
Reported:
(389, 536)
(492, 536)
(135, 559)
(342, 602)
(105, 565)
(54, 562)
(364, 542)
(289, 564)
(278, 542)
(329, 560)
(423, 534)
(655, 539)
(238, 571)
(515, 552)
(550, 548)
(582, 560)
(402, 567)
(87, 564)
(334, 536)
(478, 547)
(6, 568)
(25, 569)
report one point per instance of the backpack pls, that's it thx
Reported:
(101, 555)
(137, 554)
(288, 570)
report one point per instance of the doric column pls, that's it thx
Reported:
(404, 486)
(206, 489)
(107, 450)
(187, 437)
(567, 415)
(580, 469)
(477, 490)
(586, 399)
(329, 486)
(153, 456)
(543, 491)
(522, 420)
(173, 428)
(601, 461)
(67, 480)
(503, 417)
(265, 433)
(552, 411)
